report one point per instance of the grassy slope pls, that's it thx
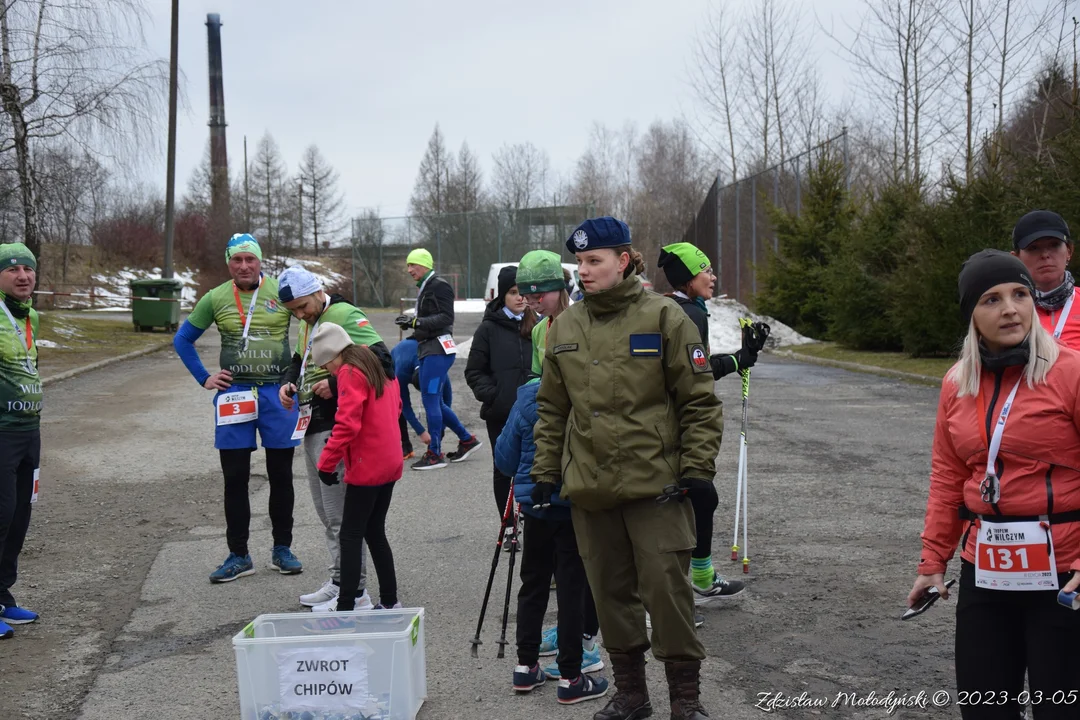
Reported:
(933, 367)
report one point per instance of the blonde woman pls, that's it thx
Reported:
(1005, 484)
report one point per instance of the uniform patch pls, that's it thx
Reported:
(645, 345)
(699, 359)
(565, 347)
(362, 323)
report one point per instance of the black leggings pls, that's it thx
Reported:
(236, 467)
(704, 502)
(364, 520)
(1000, 634)
(501, 480)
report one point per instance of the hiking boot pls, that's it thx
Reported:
(430, 461)
(631, 701)
(235, 566)
(720, 588)
(580, 689)
(684, 687)
(465, 448)
(283, 560)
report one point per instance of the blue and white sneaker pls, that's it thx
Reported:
(549, 642)
(580, 689)
(15, 615)
(283, 560)
(527, 679)
(590, 662)
(6, 631)
(234, 567)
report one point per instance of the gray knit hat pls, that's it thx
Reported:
(328, 343)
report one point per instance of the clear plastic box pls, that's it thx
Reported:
(365, 665)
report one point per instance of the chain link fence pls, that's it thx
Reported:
(464, 246)
(733, 226)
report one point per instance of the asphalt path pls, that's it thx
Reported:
(130, 524)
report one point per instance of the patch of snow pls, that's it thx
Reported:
(112, 290)
(726, 336)
(48, 344)
(465, 307)
(327, 277)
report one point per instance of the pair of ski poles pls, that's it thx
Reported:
(758, 333)
(509, 519)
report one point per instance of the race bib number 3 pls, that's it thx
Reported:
(1015, 556)
(448, 346)
(237, 407)
(302, 422)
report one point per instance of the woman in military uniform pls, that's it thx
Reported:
(629, 422)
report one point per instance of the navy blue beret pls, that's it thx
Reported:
(596, 233)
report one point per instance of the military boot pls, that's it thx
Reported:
(631, 701)
(684, 685)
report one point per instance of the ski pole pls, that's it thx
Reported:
(509, 583)
(476, 641)
(745, 473)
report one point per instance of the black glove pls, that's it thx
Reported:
(754, 336)
(328, 478)
(541, 495)
(745, 358)
(405, 321)
(690, 483)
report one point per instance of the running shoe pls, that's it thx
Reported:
(283, 560)
(430, 461)
(234, 567)
(465, 448)
(527, 679)
(580, 689)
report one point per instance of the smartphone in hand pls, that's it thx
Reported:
(926, 602)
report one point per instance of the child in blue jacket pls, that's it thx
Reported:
(551, 549)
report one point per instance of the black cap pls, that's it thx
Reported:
(1039, 224)
(984, 270)
(507, 280)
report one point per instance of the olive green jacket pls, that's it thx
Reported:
(626, 403)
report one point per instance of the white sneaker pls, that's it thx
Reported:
(326, 593)
(362, 603)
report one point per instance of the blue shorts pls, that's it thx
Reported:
(275, 424)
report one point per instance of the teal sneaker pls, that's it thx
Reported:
(234, 567)
(549, 642)
(282, 560)
(590, 662)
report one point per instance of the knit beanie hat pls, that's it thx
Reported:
(682, 262)
(328, 343)
(540, 271)
(240, 243)
(16, 254)
(420, 257)
(984, 270)
(507, 280)
(296, 282)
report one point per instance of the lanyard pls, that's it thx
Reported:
(251, 311)
(990, 488)
(27, 337)
(310, 338)
(1064, 316)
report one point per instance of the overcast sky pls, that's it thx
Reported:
(367, 81)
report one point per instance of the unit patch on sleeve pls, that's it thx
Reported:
(699, 359)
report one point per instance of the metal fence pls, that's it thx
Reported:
(733, 226)
(464, 245)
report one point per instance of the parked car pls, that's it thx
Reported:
(493, 280)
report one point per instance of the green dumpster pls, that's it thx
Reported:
(155, 302)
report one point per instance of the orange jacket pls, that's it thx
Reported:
(1070, 334)
(1039, 460)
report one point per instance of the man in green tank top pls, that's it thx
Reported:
(254, 329)
(20, 410)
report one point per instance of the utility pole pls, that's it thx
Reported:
(170, 163)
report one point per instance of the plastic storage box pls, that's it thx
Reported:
(367, 665)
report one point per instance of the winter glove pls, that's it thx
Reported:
(541, 495)
(745, 358)
(690, 483)
(405, 321)
(328, 478)
(754, 336)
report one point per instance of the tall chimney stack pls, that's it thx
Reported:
(220, 211)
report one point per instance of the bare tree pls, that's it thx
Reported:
(602, 172)
(716, 81)
(78, 70)
(323, 203)
(70, 192)
(519, 176)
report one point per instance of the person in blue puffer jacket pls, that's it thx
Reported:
(551, 549)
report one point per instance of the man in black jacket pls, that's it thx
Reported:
(301, 292)
(433, 329)
(500, 361)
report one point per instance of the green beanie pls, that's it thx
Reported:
(17, 254)
(540, 271)
(682, 262)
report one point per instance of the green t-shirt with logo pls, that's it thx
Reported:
(349, 317)
(267, 356)
(20, 384)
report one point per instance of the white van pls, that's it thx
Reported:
(493, 279)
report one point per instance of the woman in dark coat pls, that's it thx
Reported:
(500, 360)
